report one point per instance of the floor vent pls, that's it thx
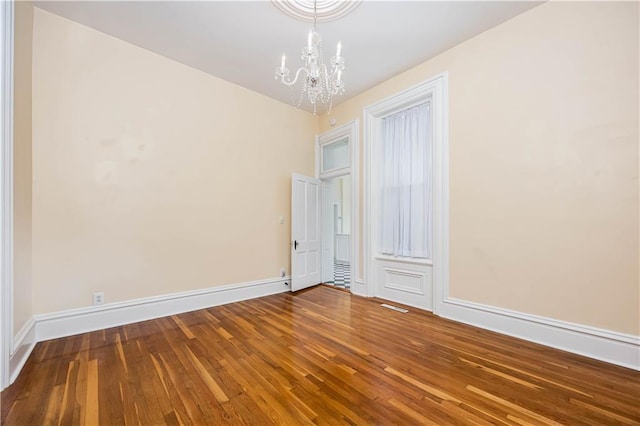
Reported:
(394, 308)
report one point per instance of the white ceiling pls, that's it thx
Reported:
(243, 41)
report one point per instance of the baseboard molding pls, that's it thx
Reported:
(358, 287)
(83, 320)
(23, 344)
(609, 346)
(76, 321)
(616, 348)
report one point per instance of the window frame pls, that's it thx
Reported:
(436, 89)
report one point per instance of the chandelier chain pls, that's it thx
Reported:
(315, 14)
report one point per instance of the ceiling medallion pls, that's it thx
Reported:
(326, 10)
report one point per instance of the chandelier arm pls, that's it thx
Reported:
(333, 73)
(292, 82)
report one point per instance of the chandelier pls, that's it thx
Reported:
(319, 82)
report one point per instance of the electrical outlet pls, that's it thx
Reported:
(98, 298)
(283, 272)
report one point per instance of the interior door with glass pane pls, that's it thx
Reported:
(305, 232)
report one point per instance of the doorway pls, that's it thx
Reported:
(336, 231)
(337, 169)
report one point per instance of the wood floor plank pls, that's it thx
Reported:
(318, 356)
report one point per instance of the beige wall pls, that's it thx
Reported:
(543, 162)
(150, 177)
(22, 291)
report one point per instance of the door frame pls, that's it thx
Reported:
(6, 191)
(436, 91)
(350, 129)
(324, 232)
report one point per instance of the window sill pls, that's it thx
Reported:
(411, 260)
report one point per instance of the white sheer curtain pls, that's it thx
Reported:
(406, 169)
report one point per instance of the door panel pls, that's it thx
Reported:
(305, 232)
(402, 282)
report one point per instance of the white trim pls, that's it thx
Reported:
(23, 344)
(83, 320)
(617, 348)
(410, 260)
(6, 191)
(359, 287)
(22, 335)
(348, 131)
(317, 157)
(414, 274)
(354, 141)
(436, 90)
(351, 129)
(609, 346)
(75, 321)
(335, 173)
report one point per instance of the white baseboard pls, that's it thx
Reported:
(609, 346)
(83, 320)
(359, 288)
(616, 348)
(75, 321)
(23, 344)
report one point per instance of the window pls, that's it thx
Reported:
(405, 183)
(335, 155)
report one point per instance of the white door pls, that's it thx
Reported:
(327, 231)
(305, 232)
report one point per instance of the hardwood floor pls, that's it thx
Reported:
(318, 356)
